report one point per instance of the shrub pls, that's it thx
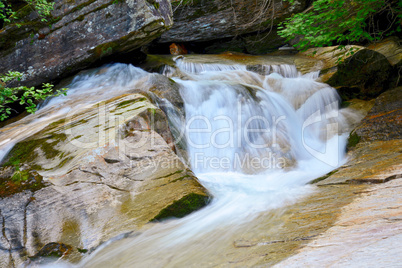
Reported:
(24, 96)
(42, 7)
(342, 22)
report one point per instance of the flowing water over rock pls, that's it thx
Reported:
(254, 141)
(253, 137)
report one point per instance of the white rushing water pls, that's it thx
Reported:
(253, 140)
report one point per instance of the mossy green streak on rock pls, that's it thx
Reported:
(53, 249)
(353, 140)
(21, 181)
(323, 177)
(183, 207)
(124, 104)
(82, 250)
(16, 33)
(25, 151)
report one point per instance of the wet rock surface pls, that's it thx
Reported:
(369, 162)
(102, 179)
(323, 59)
(204, 20)
(384, 121)
(80, 33)
(281, 233)
(352, 219)
(374, 145)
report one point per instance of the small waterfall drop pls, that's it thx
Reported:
(254, 140)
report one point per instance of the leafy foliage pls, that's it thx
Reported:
(42, 7)
(342, 22)
(26, 96)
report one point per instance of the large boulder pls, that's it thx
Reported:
(100, 171)
(204, 20)
(327, 59)
(78, 34)
(367, 73)
(323, 59)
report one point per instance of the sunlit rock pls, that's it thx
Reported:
(106, 168)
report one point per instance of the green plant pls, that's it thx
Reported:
(342, 22)
(42, 7)
(26, 96)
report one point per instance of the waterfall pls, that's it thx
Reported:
(254, 140)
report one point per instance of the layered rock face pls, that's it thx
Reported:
(100, 171)
(79, 33)
(384, 121)
(374, 154)
(204, 20)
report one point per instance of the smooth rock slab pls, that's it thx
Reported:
(108, 170)
(368, 233)
(370, 162)
(80, 33)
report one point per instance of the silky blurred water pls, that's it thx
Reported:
(254, 140)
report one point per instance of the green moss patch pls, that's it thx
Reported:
(126, 103)
(183, 207)
(21, 181)
(353, 140)
(25, 152)
(323, 177)
(82, 250)
(187, 3)
(55, 250)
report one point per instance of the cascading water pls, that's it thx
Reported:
(253, 140)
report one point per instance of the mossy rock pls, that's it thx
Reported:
(323, 177)
(183, 207)
(155, 63)
(19, 181)
(353, 140)
(26, 151)
(367, 72)
(53, 249)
